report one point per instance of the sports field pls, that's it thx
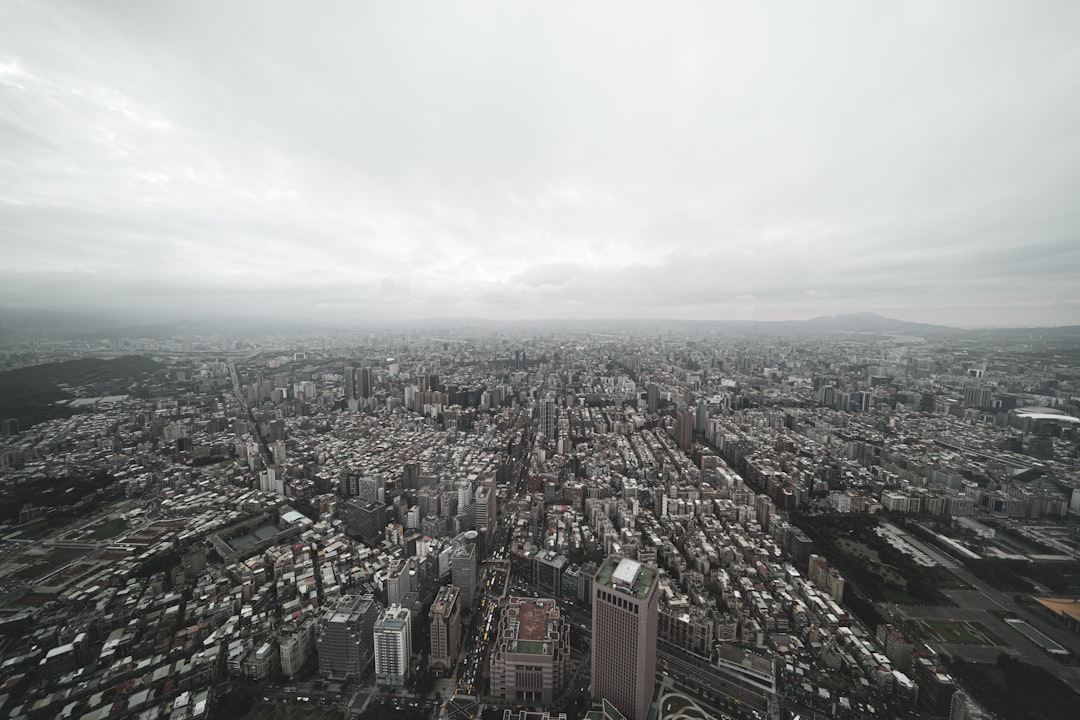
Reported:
(964, 633)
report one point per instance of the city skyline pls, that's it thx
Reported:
(709, 162)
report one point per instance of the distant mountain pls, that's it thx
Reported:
(868, 322)
(15, 322)
(209, 326)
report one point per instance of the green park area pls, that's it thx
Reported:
(40, 562)
(1016, 690)
(964, 633)
(108, 529)
(879, 571)
(41, 528)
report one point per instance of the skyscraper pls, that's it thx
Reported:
(367, 383)
(547, 418)
(345, 635)
(352, 391)
(393, 646)
(684, 429)
(464, 569)
(445, 615)
(625, 605)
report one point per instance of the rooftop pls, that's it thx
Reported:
(633, 576)
(531, 647)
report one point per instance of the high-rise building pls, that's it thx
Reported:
(701, 417)
(684, 429)
(366, 383)
(365, 520)
(625, 605)
(653, 397)
(344, 641)
(393, 646)
(445, 615)
(547, 418)
(352, 392)
(484, 514)
(402, 578)
(530, 659)
(464, 569)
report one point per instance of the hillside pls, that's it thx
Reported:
(30, 394)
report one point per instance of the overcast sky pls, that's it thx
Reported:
(543, 160)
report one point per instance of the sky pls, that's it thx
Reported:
(380, 161)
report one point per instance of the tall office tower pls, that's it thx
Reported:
(684, 429)
(531, 656)
(364, 520)
(352, 391)
(463, 569)
(701, 417)
(402, 578)
(464, 496)
(344, 640)
(484, 514)
(393, 646)
(653, 395)
(547, 418)
(372, 487)
(429, 500)
(625, 605)
(445, 616)
(367, 383)
(410, 475)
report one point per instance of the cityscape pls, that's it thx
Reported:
(485, 360)
(529, 524)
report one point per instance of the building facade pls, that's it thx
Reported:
(530, 660)
(344, 640)
(625, 605)
(393, 646)
(445, 616)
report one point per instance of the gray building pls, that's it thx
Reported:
(344, 641)
(445, 615)
(464, 569)
(402, 578)
(365, 520)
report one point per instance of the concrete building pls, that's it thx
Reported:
(530, 660)
(684, 429)
(344, 640)
(296, 643)
(393, 646)
(402, 578)
(547, 419)
(365, 520)
(464, 568)
(625, 605)
(445, 615)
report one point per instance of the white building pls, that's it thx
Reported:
(393, 644)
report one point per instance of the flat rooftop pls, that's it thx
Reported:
(533, 621)
(617, 576)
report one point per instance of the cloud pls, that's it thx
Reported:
(588, 160)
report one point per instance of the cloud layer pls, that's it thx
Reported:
(511, 160)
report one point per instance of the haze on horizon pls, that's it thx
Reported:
(510, 160)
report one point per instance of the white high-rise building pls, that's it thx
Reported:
(393, 646)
